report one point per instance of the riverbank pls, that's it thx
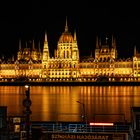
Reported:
(22, 83)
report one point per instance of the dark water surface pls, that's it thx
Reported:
(59, 103)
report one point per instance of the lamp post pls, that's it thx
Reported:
(27, 103)
(84, 116)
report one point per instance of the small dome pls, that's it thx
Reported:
(66, 37)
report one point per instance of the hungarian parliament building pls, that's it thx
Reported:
(34, 64)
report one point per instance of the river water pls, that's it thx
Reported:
(67, 103)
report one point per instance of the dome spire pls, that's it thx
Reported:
(19, 44)
(100, 43)
(26, 44)
(135, 51)
(75, 39)
(97, 43)
(112, 41)
(46, 37)
(33, 45)
(39, 49)
(106, 40)
(66, 26)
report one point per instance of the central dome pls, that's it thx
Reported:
(66, 36)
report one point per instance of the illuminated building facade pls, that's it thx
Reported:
(36, 65)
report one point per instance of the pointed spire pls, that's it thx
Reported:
(115, 42)
(100, 42)
(97, 42)
(106, 40)
(46, 40)
(135, 51)
(26, 44)
(75, 39)
(45, 56)
(13, 58)
(33, 45)
(3, 57)
(39, 49)
(66, 26)
(19, 44)
(91, 54)
(112, 41)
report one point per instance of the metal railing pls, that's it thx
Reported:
(73, 127)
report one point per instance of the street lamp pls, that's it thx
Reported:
(84, 116)
(83, 108)
(27, 103)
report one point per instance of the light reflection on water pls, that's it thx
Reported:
(59, 103)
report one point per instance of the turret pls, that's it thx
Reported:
(135, 51)
(34, 52)
(46, 55)
(39, 51)
(19, 44)
(97, 43)
(106, 40)
(33, 45)
(75, 38)
(100, 42)
(113, 42)
(113, 48)
(75, 51)
(19, 54)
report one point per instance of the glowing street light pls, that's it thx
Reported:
(84, 117)
(83, 114)
(101, 124)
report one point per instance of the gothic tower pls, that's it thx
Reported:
(97, 49)
(67, 51)
(113, 48)
(45, 58)
(46, 55)
(19, 54)
(75, 50)
(34, 52)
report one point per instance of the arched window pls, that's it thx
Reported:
(108, 58)
(68, 54)
(64, 54)
(101, 59)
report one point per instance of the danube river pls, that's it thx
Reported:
(67, 103)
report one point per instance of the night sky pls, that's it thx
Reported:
(27, 21)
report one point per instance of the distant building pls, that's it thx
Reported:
(33, 64)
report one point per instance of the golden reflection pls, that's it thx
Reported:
(58, 103)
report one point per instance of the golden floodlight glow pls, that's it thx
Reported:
(26, 86)
(101, 124)
(32, 63)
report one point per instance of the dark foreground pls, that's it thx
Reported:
(22, 83)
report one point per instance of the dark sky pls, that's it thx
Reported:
(27, 21)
